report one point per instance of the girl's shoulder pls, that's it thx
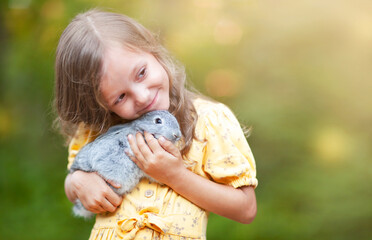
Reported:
(208, 108)
(214, 116)
(203, 104)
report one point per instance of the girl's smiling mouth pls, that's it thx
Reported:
(152, 103)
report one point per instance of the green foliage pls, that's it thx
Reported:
(298, 73)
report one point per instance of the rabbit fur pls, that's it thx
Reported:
(106, 154)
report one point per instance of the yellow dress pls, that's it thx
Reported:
(155, 211)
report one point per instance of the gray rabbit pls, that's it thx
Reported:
(106, 155)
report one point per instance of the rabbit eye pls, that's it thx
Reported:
(158, 121)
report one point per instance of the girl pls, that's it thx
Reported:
(110, 69)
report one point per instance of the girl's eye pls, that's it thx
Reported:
(142, 73)
(120, 98)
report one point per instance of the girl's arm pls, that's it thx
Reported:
(238, 204)
(162, 160)
(92, 191)
(89, 188)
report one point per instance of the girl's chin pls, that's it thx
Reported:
(161, 105)
(165, 106)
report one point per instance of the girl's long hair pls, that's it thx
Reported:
(78, 72)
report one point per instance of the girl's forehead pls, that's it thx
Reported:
(114, 55)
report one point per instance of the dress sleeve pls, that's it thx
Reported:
(228, 157)
(82, 137)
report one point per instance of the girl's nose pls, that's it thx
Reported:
(141, 96)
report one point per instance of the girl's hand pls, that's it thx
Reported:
(162, 160)
(92, 191)
(159, 159)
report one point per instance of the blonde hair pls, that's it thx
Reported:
(79, 69)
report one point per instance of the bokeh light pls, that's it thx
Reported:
(332, 145)
(222, 83)
(227, 32)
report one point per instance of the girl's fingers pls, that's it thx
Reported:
(134, 159)
(168, 146)
(152, 142)
(114, 184)
(143, 147)
(134, 146)
(95, 208)
(108, 206)
(114, 199)
(98, 209)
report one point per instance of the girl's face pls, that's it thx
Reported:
(133, 83)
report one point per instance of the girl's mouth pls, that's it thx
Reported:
(152, 102)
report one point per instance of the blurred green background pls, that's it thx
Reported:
(298, 72)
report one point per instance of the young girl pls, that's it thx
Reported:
(110, 69)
